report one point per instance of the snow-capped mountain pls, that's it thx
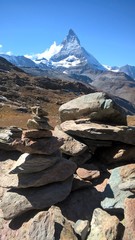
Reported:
(19, 61)
(128, 69)
(69, 57)
(72, 55)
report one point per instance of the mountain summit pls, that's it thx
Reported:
(72, 55)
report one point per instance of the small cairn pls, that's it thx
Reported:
(40, 177)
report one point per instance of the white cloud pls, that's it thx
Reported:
(54, 49)
(1, 45)
(9, 53)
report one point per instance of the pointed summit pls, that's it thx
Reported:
(71, 37)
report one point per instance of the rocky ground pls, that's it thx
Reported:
(75, 181)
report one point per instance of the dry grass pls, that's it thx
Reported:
(10, 117)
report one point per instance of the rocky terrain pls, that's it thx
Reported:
(75, 181)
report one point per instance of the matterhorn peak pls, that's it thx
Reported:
(71, 37)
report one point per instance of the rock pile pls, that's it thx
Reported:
(40, 177)
(94, 143)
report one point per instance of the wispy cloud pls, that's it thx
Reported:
(54, 49)
(1, 45)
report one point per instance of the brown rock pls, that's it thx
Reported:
(45, 146)
(129, 212)
(128, 177)
(34, 133)
(16, 202)
(103, 226)
(127, 172)
(88, 172)
(30, 163)
(57, 173)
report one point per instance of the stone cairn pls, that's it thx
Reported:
(40, 177)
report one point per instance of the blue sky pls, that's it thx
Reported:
(106, 28)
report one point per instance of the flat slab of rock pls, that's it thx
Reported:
(103, 226)
(96, 106)
(45, 146)
(86, 129)
(71, 146)
(57, 173)
(113, 196)
(16, 202)
(30, 163)
(35, 133)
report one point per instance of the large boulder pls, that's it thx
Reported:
(85, 129)
(16, 202)
(96, 106)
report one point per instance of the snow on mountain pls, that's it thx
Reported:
(113, 69)
(71, 49)
(129, 70)
(19, 61)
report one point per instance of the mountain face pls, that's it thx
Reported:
(6, 66)
(72, 61)
(72, 55)
(129, 70)
(19, 61)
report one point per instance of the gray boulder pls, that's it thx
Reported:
(85, 129)
(96, 106)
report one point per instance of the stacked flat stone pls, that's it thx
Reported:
(40, 177)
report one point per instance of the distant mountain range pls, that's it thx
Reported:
(72, 61)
